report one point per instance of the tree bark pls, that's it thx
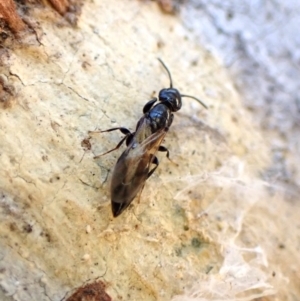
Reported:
(208, 227)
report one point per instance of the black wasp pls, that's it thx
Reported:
(133, 167)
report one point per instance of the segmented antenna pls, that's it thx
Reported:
(189, 96)
(171, 85)
(170, 77)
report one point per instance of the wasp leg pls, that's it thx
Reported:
(128, 137)
(164, 149)
(149, 105)
(115, 148)
(123, 130)
(156, 162)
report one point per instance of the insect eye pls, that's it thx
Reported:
(164, 95)
(171, 97)
(168, 94)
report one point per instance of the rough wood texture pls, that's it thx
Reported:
(209, 228)
(9, 14)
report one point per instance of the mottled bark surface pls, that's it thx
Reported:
(213, 227)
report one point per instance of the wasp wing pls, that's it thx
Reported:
(132, 168)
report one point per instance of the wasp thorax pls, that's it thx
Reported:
(171, 98)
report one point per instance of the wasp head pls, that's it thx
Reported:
(171, 98)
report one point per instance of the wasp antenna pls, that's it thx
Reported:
(170, 77)
(189, 96)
